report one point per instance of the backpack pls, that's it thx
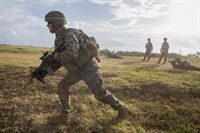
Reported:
(88, 50)
(89, 45)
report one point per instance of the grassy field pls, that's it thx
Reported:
(164, 100)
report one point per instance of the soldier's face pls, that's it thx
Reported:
(51, 27)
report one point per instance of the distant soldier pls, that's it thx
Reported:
(178, 64)
(164, 51)
(80, 64)
(149, 48)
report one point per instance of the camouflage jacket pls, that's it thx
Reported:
(165, 47)
(149, 46)
(73, 57)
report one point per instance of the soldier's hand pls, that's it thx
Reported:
(49, 59)
(56, 56)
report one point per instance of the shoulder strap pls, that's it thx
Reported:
(85, 37)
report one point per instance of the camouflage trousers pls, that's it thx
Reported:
(92, 77)
(147, 55)
(163, 54)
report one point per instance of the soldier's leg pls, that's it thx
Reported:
(165, 58)
(149, 55)
(161, 56)
(145, 56)
(63, 90)
(95, 83)
(194, 68)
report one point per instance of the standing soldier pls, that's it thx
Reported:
(164, 51)
(80, 65)
(149, 48)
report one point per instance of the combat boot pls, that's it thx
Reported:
(123, 112)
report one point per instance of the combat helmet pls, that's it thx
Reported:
(57, 18)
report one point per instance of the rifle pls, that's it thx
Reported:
(47, 61)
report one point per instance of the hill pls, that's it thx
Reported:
(164, 100)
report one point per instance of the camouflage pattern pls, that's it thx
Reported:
(178, 64)
(164, 52)
(88, 72)
(66, 57)
(149, 48)
(57, 17)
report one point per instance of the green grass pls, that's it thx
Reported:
(22, 49)
(164, 100)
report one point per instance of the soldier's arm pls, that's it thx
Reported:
(146, 45)
(161, 49)
(71, 48)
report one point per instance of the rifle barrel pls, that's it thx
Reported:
(28, 83)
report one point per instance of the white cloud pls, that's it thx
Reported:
(128, 12)
(14, 33)
(133, 21)
(193, 43)
(17, 15)
(52, 2)
(93, 26)
(18, 26)
(110, 2)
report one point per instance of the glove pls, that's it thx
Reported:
(40, 75)
(49, 59)
(56, 57)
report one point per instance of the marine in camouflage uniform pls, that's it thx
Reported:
(178, 64)
(78, 64)
(149, 48)
(164, 51)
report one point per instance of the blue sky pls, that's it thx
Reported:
(117, 24)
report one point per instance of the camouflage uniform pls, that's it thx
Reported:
(178, 64)
(89, 71)
(79, 57)
(149, 48)
(164, 51)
